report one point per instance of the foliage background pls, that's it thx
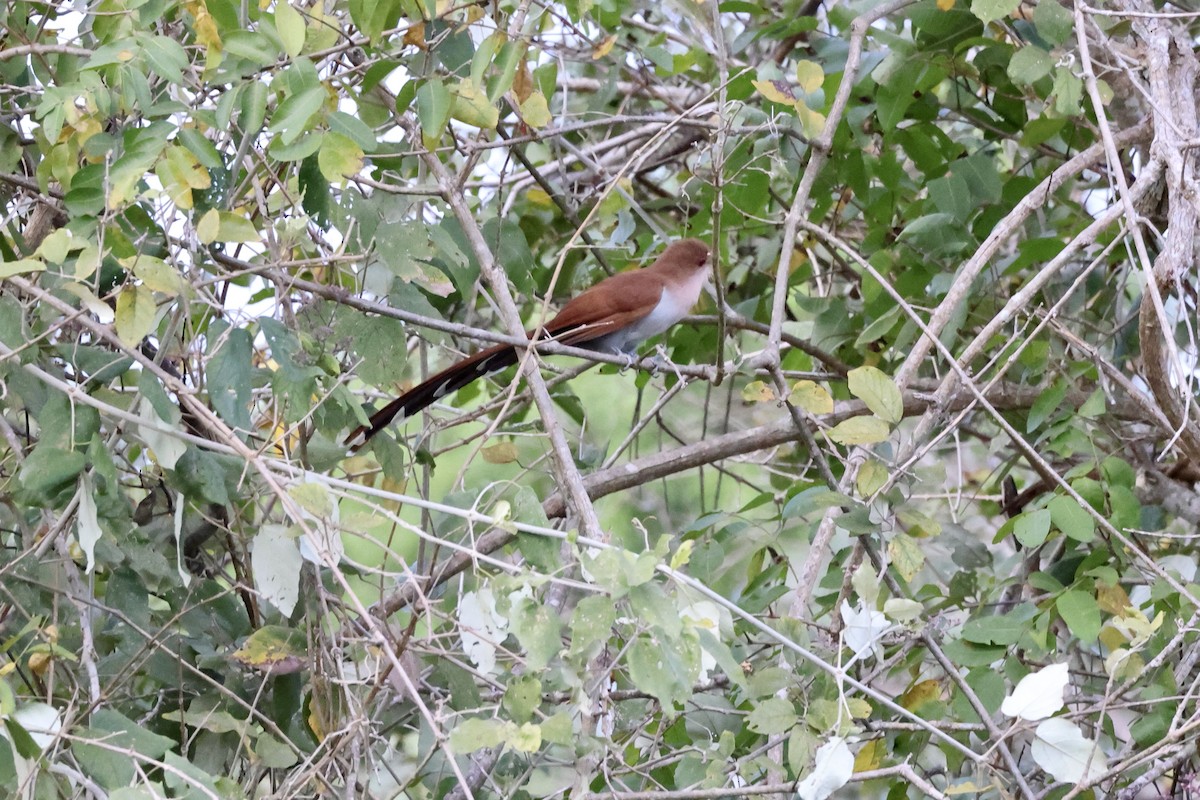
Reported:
(934, 433)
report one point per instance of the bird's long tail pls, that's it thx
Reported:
(448, 381)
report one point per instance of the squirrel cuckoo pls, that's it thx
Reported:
(613, 316)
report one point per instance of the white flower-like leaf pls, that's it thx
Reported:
(1038, 695)
(483, 628)
(1062, 750)
(276, 562)
(863, 628)
(832, 771)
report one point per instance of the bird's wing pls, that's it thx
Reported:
(608, 306)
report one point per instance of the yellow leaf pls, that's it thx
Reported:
(180, 173)
(156, 274)
(871, 478)
(605, 47)
(920, 695)
(339, 157)
(683, 555)
(1112, 599)
(39, 663)
(502, 453)
(209, 226)
(776, 92)
(289, 24)
(535, 112)
(858, 708)
(870, 755)
(812, 397)
(416, 36)
(860, 430)
(472, 107)
(135, 313)
(813, 122)
(204, 27)
(87, 262)
(10, 268)
(758, 392)
(810, 76)
(1112, 638)
(877, 389)
(226, 227)
(313, 498)
(966, 787)
(522, 82)
(273, 649)
(906, 555)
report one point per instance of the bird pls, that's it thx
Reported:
(614, 316)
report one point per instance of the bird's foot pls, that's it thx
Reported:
(661, 361)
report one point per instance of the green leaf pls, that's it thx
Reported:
(165, 57)
(154, 391)
(1054, 23)
(665, 670)
(951, 195)
(772, 716)
(522, 697)
(1029, 64)
(1073, 520)
(294, 115)
(49, 470)
(185, 776)
(990, 10)
(1005, 629)
(339, 157)
(273, 753)
(878, 391)
(510, 58)
(225, 226)
(966, 654)
(1046, 404)
(201, 476)
(20, 267)
(1032, 527)
(475, 734)
(592, 623)
(204, 150)
(289, 24)
(254, 46)
(253, 111)
(230, 374)
(979, 171)
(108, 766)
(295, 378)
(538, 629)
(1081, 613)
(815, 498)
(434, 103)
(1068, 92)
(373, 17)
(157, 275)
(354, 129)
